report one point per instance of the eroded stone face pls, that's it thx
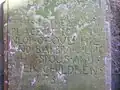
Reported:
(58, 45)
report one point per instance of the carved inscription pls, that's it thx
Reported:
(54, 45)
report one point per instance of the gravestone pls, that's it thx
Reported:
(57, 45)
